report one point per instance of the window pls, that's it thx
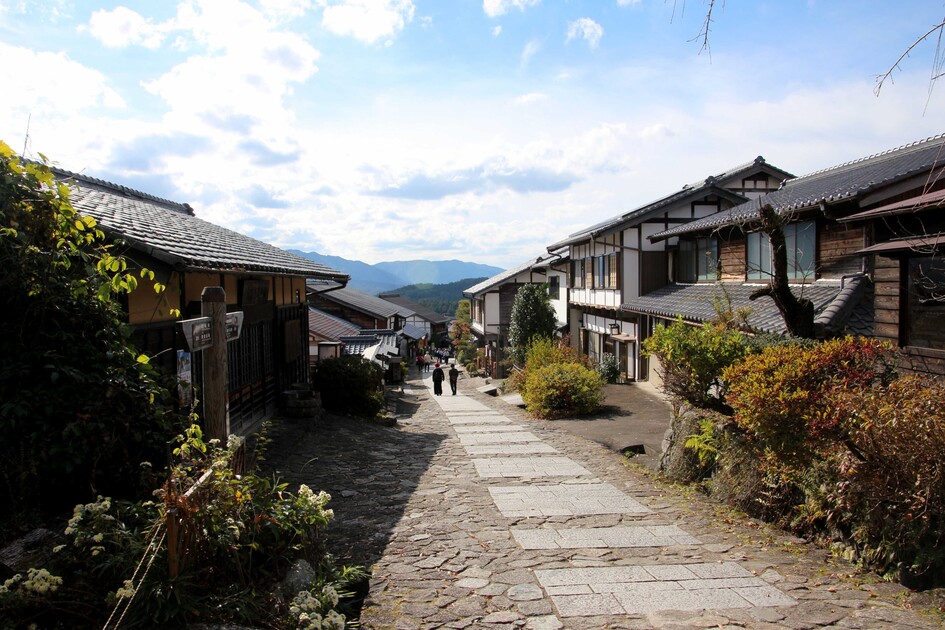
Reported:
(554, 287)
(699, 259)
(800, 240)
(605, 271)
(577, 274)
(926, 317)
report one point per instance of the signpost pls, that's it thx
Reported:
(210, 334)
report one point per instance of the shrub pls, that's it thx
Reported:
(562, 389)
(350, 385)
(542, 352)
(608, 368)
(693, 359)
(782, 394)
(238, 533)
(81, 408)
(892, 496)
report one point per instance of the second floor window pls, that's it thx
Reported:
(699, 259)
(554, 287)
(605, 271)
(577, 274)
(801, 241)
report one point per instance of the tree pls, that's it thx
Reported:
(532, 318)
(80, 408)
(797, 313)
(461, 332)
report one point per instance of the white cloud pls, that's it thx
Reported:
(123, 27)
(627, 3)
(496, 30)
(531, 97)
(586, 29)
(531, 48)
(495, 8)
(656, 130)
(285, 8)
(366, 20)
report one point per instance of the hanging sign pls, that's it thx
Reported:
(197, 333)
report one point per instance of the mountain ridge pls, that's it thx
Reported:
(390, 275)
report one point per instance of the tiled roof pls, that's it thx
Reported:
(171, 233)
(834, 303)
(503, 276)
(328, 326)
(833, 185)
(690, 191)
(424, 312)
(364, 302)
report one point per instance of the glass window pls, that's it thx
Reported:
(801, 242)
(926, 317)
(554, 287)
(699, 259)
(577, 274)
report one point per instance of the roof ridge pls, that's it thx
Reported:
(874, 156)
(120, 188)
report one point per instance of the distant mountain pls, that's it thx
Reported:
(386, 276)
(442, 298)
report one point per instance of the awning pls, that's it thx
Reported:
(913, 204)
(623, 337)
(925, 244)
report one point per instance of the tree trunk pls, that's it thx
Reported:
(797, 313)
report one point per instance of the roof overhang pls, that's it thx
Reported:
(928, 201)
(921, 245)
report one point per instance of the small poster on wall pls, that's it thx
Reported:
(185, 378)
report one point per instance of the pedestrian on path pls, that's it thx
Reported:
(420, 363)
(454, 376)
(438, 380)
(427, 360)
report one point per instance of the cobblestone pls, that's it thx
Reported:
(464, 523)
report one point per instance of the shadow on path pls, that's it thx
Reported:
(369, 470)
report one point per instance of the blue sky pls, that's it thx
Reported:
(481, 130)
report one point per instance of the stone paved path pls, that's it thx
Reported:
(471, 515)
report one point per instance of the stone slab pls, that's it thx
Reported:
(526, 448)
(564, 500)
(603, 537)
(590, 591)
(547, 466)
(474, 439)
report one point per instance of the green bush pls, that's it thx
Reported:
(562, 389)
(608, 368)
(693, 359)
(541, 352)
(80, 409)
(238, 533)
(350, 385)
(892, 496)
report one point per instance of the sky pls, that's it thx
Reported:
(478, 130)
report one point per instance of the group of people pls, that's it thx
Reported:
(438, 379)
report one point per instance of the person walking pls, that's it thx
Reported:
(427, 360)
(454, 376)
(419, 363)
(438, 380)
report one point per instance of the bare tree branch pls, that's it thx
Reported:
(936, 66)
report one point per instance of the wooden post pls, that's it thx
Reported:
(216, 405)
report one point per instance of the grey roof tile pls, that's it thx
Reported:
(832, 185)
(364, 302)
(171, 233)
(503, 276)
(424, 312)
(834, 303)
(696, 190)
(328, 326)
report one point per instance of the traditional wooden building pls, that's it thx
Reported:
(864, 243)
(188, 254)
(615, 261)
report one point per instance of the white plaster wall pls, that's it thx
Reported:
(492, 313)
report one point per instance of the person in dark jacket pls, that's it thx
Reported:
(437, 380)
(454, 376)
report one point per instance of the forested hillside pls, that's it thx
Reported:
(442, 298)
